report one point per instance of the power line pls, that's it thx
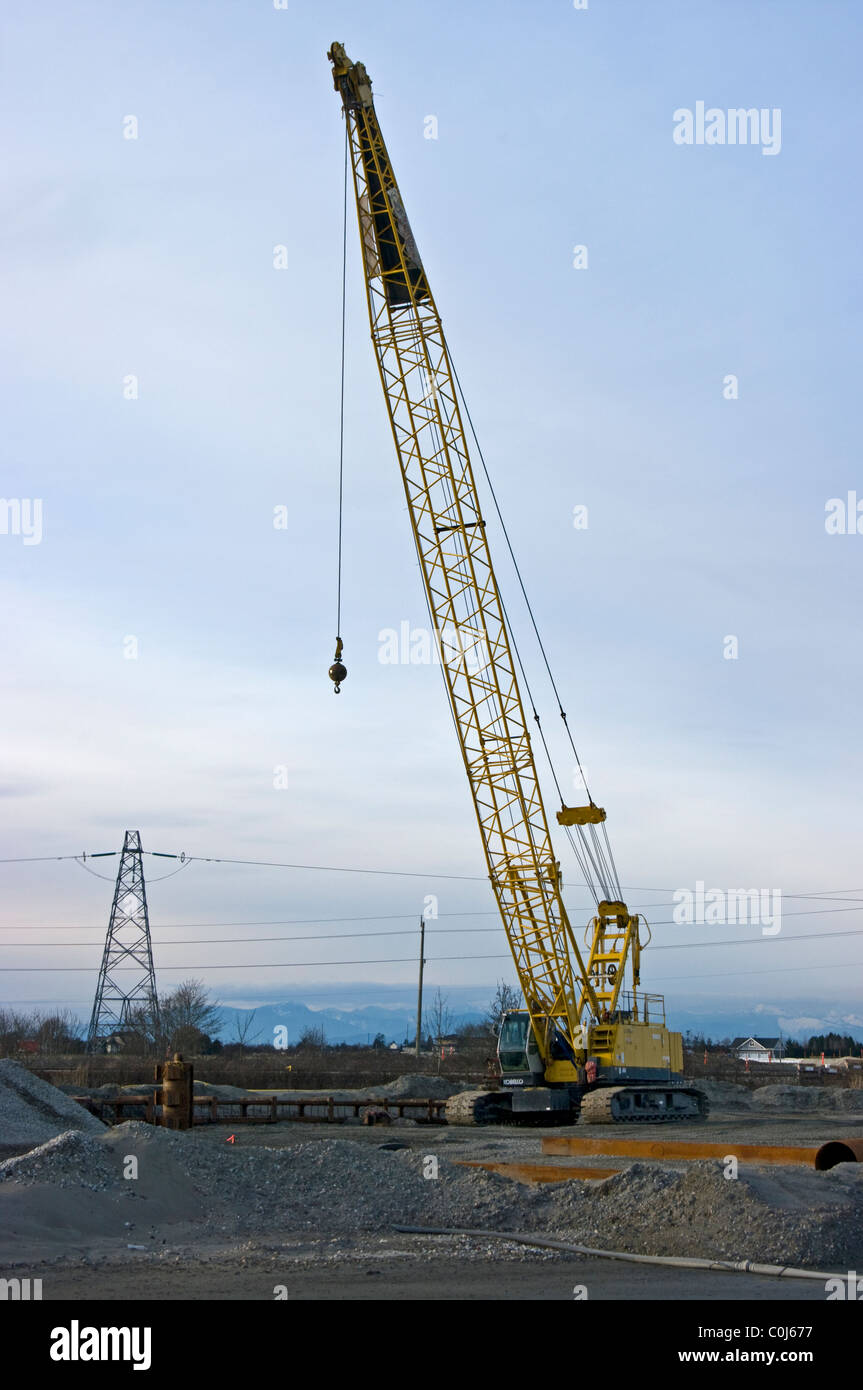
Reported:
(400, 960)
(467, 878)
(779, 970)
(51, 858)
(338, 869)
(275, 922)
(828, 895)
(412, 931)
(755, 940)
(440, 931)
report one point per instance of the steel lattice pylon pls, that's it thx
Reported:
(128, 945)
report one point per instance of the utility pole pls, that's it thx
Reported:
(127, 945)
(420, 993)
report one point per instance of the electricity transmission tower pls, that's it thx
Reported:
(128, 945)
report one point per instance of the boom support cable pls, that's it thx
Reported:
(591, 850)
(561, 710)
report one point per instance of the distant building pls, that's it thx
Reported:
(758, 1049)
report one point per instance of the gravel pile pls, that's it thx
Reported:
(341, 1188)
(804, 1099)
(727, 1095)
(221, 1092)
(32, 1111)
(850, 1100)
(71, 1159)
(419, 1087)
(111, 1090)
(777, 1216)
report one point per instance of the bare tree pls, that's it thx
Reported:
(439, 1021)
(242, 1026)
(14, 1028)
(506, 998)
(58, 1032)
(188, 1017)
(143, 1031)
(189, 1041)
(189, 1006)
(313, 1038)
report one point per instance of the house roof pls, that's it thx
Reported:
(764, 1042)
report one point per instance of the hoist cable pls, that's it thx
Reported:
(342, 384)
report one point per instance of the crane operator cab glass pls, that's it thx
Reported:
(518, 1054)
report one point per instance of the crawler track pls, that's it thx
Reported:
(628, 1105)
(476, 1108)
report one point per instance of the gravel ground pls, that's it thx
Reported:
(453, 1269)
(343, 1188)
(92, 1194)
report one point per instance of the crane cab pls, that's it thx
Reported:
(631, 1043)
(518, 1051)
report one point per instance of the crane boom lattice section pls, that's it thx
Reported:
(461, 589)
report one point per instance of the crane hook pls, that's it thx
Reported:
(337, 672)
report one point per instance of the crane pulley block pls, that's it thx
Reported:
(581, 815)
(612, 909)
(351, 79)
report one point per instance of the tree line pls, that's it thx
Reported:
(188, 1020)
(185, 1022)
(831, 1044)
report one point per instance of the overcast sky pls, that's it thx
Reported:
(604, 387)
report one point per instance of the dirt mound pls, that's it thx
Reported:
(221, 1092)
(848, 1101)
(32, 1111)
(112, 1091)
(725, 1095)
(807, 1099)
(81, 1195)
(420, 1087)
(70, 1159)
(784, 1216)
(340, 1188)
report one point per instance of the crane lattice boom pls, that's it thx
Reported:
(561, 991)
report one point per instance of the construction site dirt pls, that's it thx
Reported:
(314, 1210)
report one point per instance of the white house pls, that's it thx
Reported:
(758, 1049)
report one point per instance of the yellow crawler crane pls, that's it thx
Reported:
(582, 1043)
